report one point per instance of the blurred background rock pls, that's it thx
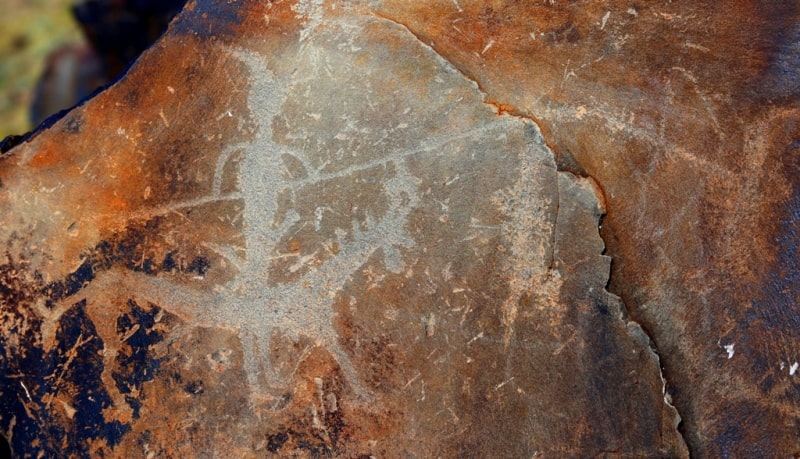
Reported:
(55, 53)
(29, 31)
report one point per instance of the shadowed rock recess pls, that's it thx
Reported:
(371, 229)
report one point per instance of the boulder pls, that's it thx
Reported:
(320, 228)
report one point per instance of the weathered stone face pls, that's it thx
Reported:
(337, 229)
(687, 116)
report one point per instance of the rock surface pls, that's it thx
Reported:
(686, 113)
(371, 229)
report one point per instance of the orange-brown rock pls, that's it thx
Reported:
(371, 229)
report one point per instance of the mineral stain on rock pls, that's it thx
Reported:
(56, 385)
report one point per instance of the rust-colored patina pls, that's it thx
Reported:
(371, 229)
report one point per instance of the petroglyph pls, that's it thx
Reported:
(327, 243)
(324, 193)
(293, 184)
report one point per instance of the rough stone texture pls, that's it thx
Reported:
(325, 228)
(686, 113)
